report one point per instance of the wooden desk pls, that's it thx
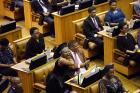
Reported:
(109, 46)
(75, 87)
(63, 23)
(26, 77)
(12, 35)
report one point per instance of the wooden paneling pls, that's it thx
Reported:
(124, 5)
(12, 35)
(27, 14)
(1, 8)
(109, 46)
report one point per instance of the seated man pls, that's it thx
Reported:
(78, 56)
(44, 8)
(7, 59)
(115, 15)
(110, 83)
(16, 3)
(92, 25)
(127, 44)
(35, 45)
(137, 9)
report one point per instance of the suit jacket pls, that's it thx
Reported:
(89, 27)
(38, 8)
(34, 47)
(81, 56)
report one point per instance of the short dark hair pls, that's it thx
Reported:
(107, 68)
(90, 9)
(32, 30)
(112, 1)
(4, 42)
(72, 43)
(121, 25)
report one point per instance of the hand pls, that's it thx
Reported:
(100, 36)
(136, 47)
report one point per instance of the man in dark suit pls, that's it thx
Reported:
(92, 25)
(44, 8)
(35, 45)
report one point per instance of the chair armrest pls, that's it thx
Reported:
(80, 36)
(40, 86)
(119, 52)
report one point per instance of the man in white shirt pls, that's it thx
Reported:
(78, 57)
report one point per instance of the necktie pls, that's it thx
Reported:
(41, 2)
(96, 24)
(76, 60)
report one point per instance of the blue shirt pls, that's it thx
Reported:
(116, 17)
(6, 56)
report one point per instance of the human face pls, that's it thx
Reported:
(93, 13)
(75, 47)
(113, 6)
(66, 53)
(110, 73)
(36, 34)
(124, 29)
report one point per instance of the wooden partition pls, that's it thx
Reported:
(1, 8)
(12, 35)
(27, 14)
(109, 46)
(124, 5)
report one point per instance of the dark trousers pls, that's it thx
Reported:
(50, 22)
(7, 71)
(99, 42)
(135, 57)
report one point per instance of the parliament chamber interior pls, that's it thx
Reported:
(69, 46)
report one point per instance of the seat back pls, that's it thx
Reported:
(42, 72)
(94, 89)
(20, 47)
(135, 34)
